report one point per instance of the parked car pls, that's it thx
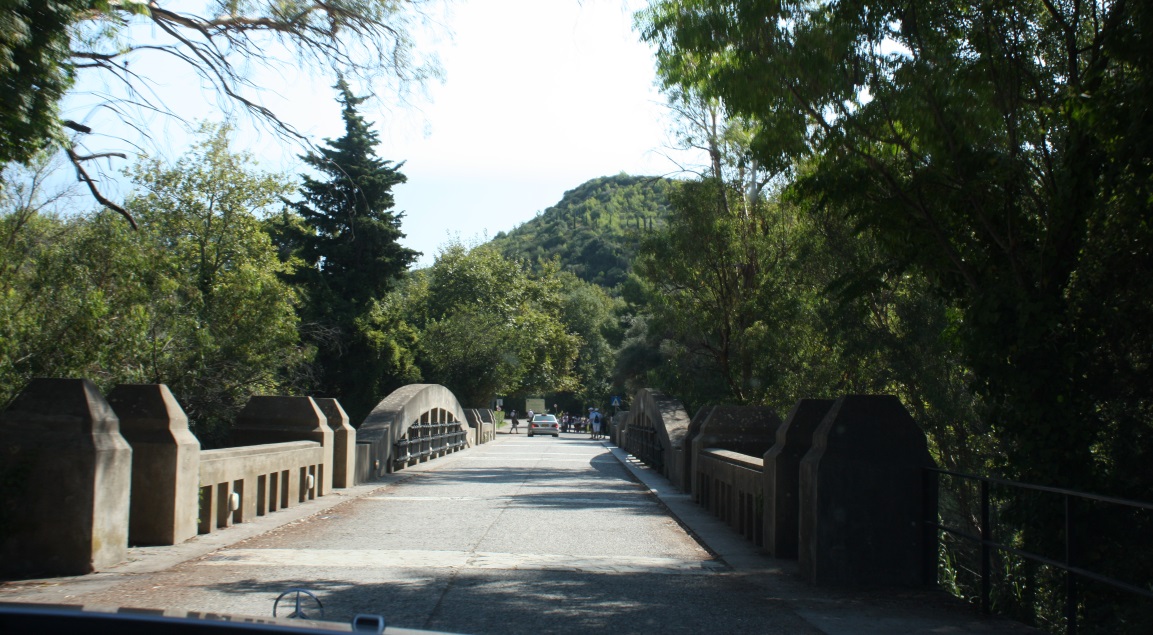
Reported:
(544, 424)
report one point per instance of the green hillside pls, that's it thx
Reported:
(594, 229)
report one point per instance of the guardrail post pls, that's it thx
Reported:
(69, 472)
(165, 464)
(986, 553)
(343, 442)
(863, 497)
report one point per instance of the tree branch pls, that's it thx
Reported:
(82, 176)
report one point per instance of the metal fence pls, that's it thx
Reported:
(1074, 539)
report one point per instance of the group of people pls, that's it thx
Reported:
(594, 423)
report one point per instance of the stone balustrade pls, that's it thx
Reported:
(239, 484)
(85, 477)
(840, 485)
(729, 484)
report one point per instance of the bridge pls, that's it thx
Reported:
(840, 494)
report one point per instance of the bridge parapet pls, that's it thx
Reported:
(270, 419)
(841, 484)
(482, 425)
(729, 484)
(343, 442)
(749, 430)
(67, 472)
(655, 432)
(414, 424)
(864, 497)
(783, 472)
(165, 464)
(133, 473)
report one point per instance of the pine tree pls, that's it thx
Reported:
(353, 255)
(355, 248)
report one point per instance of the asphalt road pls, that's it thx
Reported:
(521, 535)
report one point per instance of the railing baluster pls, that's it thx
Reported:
(1070, 577)
(986, 539)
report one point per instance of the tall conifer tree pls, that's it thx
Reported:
(354, 254)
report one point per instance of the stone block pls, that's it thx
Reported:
(268, 419)
(782, 475)
(67, 475)
(864, 497)
(363, 463)
(747, 430)
(688, 458)
(165, 464)
(343, 442)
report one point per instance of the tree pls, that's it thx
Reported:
(353, 255)
(193, 299)
(709, 269)
(969, 139)
(46, 44)
(589, 312)
(34, 74)
(490, 328)
(987, 148)
(222, 325)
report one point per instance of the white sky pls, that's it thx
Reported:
(538, 97)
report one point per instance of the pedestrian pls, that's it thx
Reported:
(595, 421)
(515, 423)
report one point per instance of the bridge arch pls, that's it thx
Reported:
(656, 432)
(415, 423)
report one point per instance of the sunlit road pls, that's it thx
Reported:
(522, 535)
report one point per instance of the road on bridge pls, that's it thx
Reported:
(522, 535)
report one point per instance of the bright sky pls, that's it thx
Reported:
(538, 97)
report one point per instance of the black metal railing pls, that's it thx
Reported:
(644, 444)
(988, 544)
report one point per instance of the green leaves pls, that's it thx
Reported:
(347, 236)
(491, 328)
(35, 72)
(193, 299)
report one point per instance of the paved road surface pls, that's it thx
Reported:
(522, 535)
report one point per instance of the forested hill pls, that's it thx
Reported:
(594, 229)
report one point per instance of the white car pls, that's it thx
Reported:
(544, 424)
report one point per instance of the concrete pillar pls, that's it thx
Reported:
(67, 473)
(782, 475)
(864, 496)
(343, 442)
(280, 419)
(165, 464)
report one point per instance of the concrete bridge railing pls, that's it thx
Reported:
(839, 485)
(414, 424)
(84, 477)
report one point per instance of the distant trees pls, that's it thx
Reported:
(594, 229)
(489, 327)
